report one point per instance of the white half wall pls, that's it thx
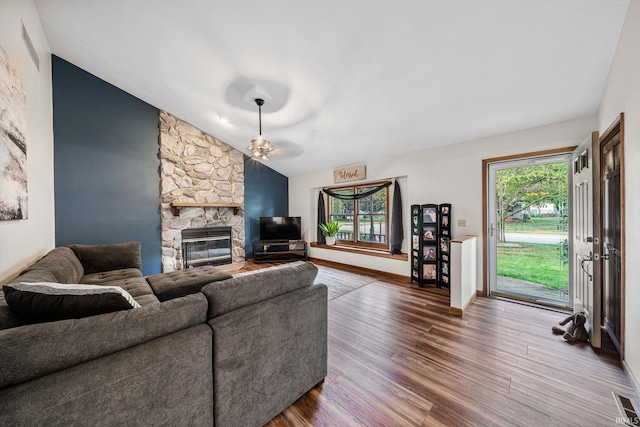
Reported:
(449, 174)
(463, 271)
(622, 94)
(24, 241)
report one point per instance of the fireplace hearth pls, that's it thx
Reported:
(206, 246)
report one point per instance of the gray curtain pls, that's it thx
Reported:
(322, 219)
(397, 231)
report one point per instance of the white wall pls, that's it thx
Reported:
(24, 241)
(622, 94)
(446, 174)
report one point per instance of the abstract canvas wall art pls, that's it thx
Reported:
(13, 144)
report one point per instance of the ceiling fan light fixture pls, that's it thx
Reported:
(260, 141)
(260, 147)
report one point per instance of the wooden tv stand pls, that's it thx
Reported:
(275, 251)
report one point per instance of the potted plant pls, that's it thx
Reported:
(330, 230)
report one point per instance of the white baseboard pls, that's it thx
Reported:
(632, 378)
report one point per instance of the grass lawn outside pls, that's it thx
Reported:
(536, 225)
(534, 262)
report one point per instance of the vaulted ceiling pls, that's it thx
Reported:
(347, 81)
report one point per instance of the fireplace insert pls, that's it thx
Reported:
(206, 246)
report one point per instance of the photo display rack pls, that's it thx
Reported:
(430, 244)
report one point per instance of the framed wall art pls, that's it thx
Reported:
(13, 144)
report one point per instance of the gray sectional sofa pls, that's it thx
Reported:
(235, 353)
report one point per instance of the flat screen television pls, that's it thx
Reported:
(280, 228)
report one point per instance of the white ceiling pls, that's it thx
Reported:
(351, 80)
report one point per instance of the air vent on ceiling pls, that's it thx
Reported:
(30, 48)
(629, 415)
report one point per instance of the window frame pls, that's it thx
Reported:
(356, 242)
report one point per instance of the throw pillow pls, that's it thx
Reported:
(46, 302)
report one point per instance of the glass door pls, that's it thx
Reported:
(528, 229)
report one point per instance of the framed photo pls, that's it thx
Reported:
(445, 220)
(415, 273)
(445, 269)
(415, 220)
(444, 232)
(415, 210)
(445, 210)
(416, 242)
(429, 215)
(444, 244)
(445, 279)
(429, 272)
(429, 253)
(415, 263)
(445, 258)
(429, 233)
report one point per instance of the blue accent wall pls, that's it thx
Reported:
(107, 179)
(266, 193)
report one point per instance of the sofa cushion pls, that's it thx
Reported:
(129, 279)
(179, 283)
(62, 263)
(136, 286)
(231, 294)
(97, 258)
(45, 302)
(110, 276)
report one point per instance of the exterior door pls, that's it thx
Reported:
(611, 163)
(528, 245)
(586, 291)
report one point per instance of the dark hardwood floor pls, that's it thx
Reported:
(398, 358)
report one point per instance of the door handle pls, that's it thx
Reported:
(492, 228)
(588, 258)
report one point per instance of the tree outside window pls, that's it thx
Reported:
(520, 189)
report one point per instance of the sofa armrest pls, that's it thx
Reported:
(268, 355)
(31, 351)
(228, 295)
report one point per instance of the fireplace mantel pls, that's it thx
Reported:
(176, 206)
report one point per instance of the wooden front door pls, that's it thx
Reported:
(612, 247)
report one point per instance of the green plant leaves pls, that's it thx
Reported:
(330, 229)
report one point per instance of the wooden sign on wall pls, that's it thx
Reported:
(352, 173)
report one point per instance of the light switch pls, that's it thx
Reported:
(462, 223)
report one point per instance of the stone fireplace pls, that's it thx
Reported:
(197, 168)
